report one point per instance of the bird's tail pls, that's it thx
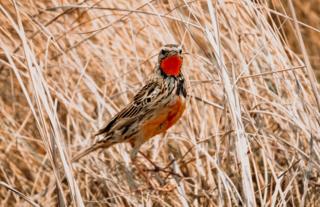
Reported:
(94, 147)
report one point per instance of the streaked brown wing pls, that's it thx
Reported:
(141, 100)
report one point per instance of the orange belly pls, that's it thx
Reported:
(164, 119)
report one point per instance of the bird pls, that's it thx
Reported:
(156, 107)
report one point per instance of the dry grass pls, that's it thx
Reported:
(308, 13)
(250, 135)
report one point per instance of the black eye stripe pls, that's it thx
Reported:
(163, 52)
(167, 49)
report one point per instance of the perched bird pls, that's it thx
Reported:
(153, 110)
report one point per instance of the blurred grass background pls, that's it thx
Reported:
(249, 137)
(308, 13)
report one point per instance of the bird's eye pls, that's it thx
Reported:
(180, 51)
(163, 52)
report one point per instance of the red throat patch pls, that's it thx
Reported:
(171, 65)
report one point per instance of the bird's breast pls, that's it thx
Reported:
(176, 109)
(164, 118)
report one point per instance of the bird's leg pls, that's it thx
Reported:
(133, 153)
(156, 167)
(136, 144)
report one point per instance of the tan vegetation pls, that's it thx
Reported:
(250, 134)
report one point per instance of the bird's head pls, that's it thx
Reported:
(170, 59)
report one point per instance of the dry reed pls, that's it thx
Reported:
(250, 135)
